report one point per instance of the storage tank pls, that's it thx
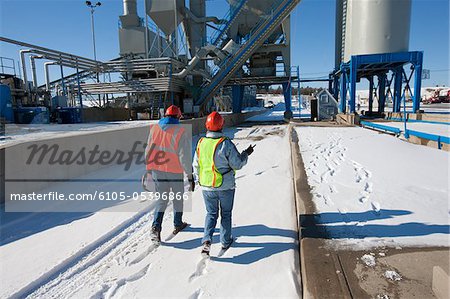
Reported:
(373, 27)
(6, 108)
(167, 14)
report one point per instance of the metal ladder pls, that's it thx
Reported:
(278, 12)
(344, 28)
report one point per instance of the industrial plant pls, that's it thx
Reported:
(339, 190)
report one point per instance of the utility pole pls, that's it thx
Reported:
(92, 9)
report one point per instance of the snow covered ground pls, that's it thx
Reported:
(375, 190)
(108, 254)
(437, 129)
(277, 113)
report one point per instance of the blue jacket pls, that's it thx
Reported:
(226, 158)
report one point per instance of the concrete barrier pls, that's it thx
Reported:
(14, 167)
(348, 119)
(419, 116)
(441, 283)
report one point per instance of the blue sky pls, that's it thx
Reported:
(65, 25)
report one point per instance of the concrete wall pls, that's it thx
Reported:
(421, 116)
(13, 159)
(105, 114)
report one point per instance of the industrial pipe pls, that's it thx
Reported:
(34, 47)
(33, 69)
(47, 75)
(189, 67)
(24, 67)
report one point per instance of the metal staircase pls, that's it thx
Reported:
(273, 18)
(218, 38)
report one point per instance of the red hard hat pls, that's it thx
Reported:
(214, 122)
(173, 111)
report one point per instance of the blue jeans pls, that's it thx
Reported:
(216, 201)
(168, 182)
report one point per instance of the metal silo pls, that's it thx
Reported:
(372, 27)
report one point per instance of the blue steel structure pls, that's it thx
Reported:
(389, 69)
(279, 10)
(287, 82)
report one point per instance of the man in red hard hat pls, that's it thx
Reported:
(168, 139)
(215, 161)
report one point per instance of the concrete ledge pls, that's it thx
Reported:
(420, 116)
(441, 283)
(427, 142)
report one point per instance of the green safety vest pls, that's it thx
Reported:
(208, 174)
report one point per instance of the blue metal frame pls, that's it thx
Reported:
(238, 95)
(369, 66)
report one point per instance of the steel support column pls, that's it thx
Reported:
(336, 87)
(381, 92)
(417, 82)
(397, 89)
(238, 95)
(287, 91)
(370, 94)
(353, 77)
(343, 92)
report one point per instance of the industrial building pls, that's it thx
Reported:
(176, 54)
(345, 194)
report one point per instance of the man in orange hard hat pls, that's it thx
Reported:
(215, 162)
(168, 139)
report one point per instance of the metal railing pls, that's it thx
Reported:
(3, 66)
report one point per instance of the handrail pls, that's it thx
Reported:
(394, 130)
(438, 138)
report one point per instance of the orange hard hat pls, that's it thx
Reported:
(173, 111)
(214, 122)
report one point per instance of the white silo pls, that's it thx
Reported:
(372, 27)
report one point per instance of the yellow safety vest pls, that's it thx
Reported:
(208, 174)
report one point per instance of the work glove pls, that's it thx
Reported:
(191, 183)
(249, 150)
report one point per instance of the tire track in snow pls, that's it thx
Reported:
(73, 260)
(91, 268)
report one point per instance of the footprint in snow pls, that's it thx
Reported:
(369, 187)
(200, 269)
(363, 199)
(123, 281)
(197, 294)
(333, 189)
(328, 200)
(376, 207)
(152, 248)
